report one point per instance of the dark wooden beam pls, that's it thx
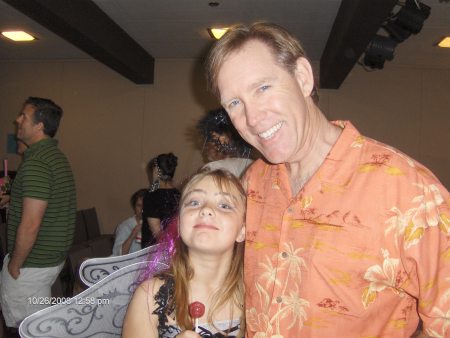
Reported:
(85, 25)
(355, 25)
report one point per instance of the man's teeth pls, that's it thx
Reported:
(269, 133)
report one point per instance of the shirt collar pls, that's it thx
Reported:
(339, 165)
(38, 145)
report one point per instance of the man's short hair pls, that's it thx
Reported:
(47, 112)
(284, 46)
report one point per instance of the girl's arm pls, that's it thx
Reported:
(139, 320)
(155, 226)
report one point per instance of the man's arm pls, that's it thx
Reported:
(425, 255)
(33, 211)
(127, 244)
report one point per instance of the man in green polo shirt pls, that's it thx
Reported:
(41, 217)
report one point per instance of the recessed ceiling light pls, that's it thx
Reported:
(217, 33)
(445, 42)
(18, 35)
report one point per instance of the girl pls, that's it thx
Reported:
(161, 203)
(207, 267)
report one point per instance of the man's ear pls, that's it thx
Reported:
(40, 126)
(241, 236)
(304, 76)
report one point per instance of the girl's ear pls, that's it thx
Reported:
(241, 236)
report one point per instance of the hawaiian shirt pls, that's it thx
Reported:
(362, 250)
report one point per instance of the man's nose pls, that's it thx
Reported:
(253, 114)
(18, 119)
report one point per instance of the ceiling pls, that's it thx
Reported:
(177, 28)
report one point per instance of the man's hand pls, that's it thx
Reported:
(14, 271)
(136, 229)
(4, 199)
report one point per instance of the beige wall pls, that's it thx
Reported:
(401, 106)
(112, 127)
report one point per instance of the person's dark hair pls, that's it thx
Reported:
(47, 112)
(166, 164)
(138, 194)
(218, 122)
(285, 48)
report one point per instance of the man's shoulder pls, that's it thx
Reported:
(394, 178)
(128, 223)
(393, 161)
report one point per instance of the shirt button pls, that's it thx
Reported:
(279, 299)
(284, 254)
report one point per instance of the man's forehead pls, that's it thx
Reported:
(28, 109)
(247, 67)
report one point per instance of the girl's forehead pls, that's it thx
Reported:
(211, 185)
(208, 184)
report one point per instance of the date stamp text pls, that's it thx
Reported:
(67, 300)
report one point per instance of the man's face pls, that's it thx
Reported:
(27, 130)
(265, 102)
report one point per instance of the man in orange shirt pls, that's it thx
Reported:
(346, 237)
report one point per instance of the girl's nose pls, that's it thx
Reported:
(206, 211)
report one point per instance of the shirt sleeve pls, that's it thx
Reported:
(425, 251)
(36, 182)
(123, 231)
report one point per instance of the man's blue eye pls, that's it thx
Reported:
(264, 88)
(233, 103)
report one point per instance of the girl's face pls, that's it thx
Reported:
(211, 218)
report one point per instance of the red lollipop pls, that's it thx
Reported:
(196, 310)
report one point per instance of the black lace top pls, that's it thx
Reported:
(161, 204)
(170, 330)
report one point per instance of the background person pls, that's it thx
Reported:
(128, 233)
(160, 204)
(224, 148)
(41, 217)
(346, 236)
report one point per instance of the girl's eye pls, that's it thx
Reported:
(225, 206)
(192, 203)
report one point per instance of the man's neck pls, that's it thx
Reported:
(37, 139)
(300, 171)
